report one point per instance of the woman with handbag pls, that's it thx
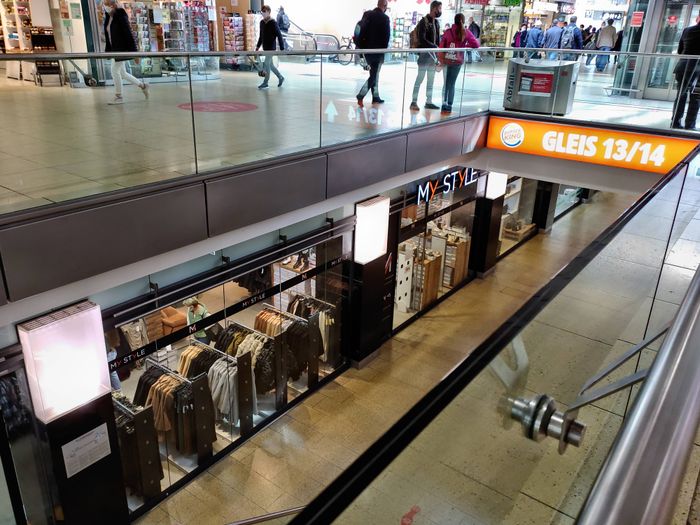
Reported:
(458, 36)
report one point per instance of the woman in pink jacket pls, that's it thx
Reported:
(457, 36)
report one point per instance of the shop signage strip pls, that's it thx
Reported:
(620, 149)
(219, 316)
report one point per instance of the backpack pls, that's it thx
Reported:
(567, 37)
(413, 36)
(359, 37)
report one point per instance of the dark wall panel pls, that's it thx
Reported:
(475, 132)
(240, 200)
(353, 168)
(434, 144)
(43, 255)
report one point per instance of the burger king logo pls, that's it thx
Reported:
(512, 135)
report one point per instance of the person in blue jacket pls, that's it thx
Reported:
(535, 39)
(552, 39)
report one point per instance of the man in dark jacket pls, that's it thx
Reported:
(269, 34)
(375, 32)
(428, 38)
(687, 73)
(476, 31)
(283, 20)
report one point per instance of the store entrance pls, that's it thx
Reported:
(676, 17)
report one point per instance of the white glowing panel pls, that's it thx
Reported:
(371, 229)
(66, 359)
(496, 185)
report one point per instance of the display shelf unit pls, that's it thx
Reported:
(234, 37)
(16, 20)
(252, 30)
(495, 30)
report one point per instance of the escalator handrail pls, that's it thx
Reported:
(360, 474)
(641, 479)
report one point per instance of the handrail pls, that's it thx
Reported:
(268, 517)
(331, 52)
(641, 478)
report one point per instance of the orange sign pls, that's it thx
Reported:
(621, 149)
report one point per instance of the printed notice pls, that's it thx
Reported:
(86, 450)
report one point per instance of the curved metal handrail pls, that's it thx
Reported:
(269, 516)
(198, 54)
(641, 478)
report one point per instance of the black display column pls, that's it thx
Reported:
(487, 224)
(67, 373)
(545, 205)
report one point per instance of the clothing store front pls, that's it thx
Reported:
(431, 229)
(241, 344)
(517, 221)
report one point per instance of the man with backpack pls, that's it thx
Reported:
(571, 38)
(373, 32)
(552, 39)
(427, 34)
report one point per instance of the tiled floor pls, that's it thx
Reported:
(288, 463)
(63, 143)
(472, 465)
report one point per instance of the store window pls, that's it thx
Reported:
(191, 378)
(569, 196)
(518, 211)
(434, 241)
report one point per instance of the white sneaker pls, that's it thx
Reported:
(144, 89)
(115, 101)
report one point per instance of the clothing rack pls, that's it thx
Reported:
(249, 329)
(172, 373)
(203, 408)
(286, 314)
(244, 384)
(314, 299)
(143, 468)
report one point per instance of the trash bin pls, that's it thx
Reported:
(540, 86)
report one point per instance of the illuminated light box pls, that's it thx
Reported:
(66, 359)
(371, 229)
(496, 185)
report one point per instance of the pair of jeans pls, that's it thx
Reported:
(601, 61)
(119, 73)
(589, 58)
(451, 74)
(268, 67)
(687, 79)
(552, 55)
(372, 83)
(428, 70)
(474, 54)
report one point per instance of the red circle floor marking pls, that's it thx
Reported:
(222, 106)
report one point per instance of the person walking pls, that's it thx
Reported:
(270, 34)
(605, 42)
(591, 44)
(457, 37)
(571, 38)
(118, 39)
(687, 72)
(552, 39)
(375, 32)
(519, 40)
(475, 30)
(428, 38)
(283, 20)
(535, 39)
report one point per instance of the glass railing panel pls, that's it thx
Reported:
(263, 106)
(81, 142)
(473, 464)
(354, 109)
(474, 86)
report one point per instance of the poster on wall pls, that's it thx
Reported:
(86, 450)
(75, 12)
(63, 6)
(536, 83)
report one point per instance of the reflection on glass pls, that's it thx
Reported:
(518, 210)
(6, 514)
(569, 196)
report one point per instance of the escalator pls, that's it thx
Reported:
(573, 409)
